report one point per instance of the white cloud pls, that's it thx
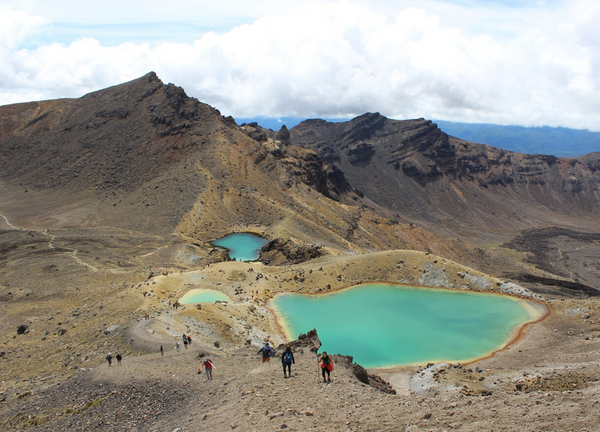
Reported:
(18, 26)
(345, 58)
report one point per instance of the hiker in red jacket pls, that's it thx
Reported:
(326, 366)
(208, 367)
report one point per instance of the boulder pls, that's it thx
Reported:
(111, 329)
(22, 329)
(282, 251)
(360, 373)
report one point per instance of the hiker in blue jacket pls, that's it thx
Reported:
(287, 358)
(267, 352)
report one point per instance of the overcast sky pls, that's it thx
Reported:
(522, 62)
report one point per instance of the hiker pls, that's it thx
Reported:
(190, 340)
(287, 358)
(185, 343)
(176, 346)
(119, 358)
(326, 366)
(267, 352)
(162, 353)
(109, 359)
(208, 367)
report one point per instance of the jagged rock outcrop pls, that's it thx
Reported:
(288, 251)
(283, 135)
(362, 375)
(217, 255)
(306, 167)
(309, 340)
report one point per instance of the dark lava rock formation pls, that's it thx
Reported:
(415, 169)
(288, 251)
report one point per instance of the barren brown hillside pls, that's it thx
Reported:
(107, 207)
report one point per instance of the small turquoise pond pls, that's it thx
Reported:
(242, 246)
(203, 296)
(383, 325)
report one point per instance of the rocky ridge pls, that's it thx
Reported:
(108, 205)
(473, 192)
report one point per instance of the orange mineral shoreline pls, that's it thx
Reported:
(545, 311)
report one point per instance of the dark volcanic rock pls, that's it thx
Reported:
(300, 166)
(308, 340)
(22, 329)
(361, 373)
(218, 255)
(360, 154)
(283, 135)
(288, 251)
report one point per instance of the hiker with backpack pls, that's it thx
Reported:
(287, 358)
(326, 366)
(109, 358)
(267, 352)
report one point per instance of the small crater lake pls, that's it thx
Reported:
(241, 246)
(385, 325)
(203, 296)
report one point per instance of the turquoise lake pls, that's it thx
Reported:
(384, 325)
(203, 296)
(241, 246)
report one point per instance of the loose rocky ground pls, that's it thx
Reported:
(548, 380)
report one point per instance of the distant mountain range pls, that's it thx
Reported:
(544, 140)
(556, 141)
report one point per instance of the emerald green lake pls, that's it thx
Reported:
(241, 246)
(384, 325)
(203, 296)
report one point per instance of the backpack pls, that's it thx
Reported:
(288, 356)
(267, 351)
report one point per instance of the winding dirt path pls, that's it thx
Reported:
(51, 243)
(9, 224)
